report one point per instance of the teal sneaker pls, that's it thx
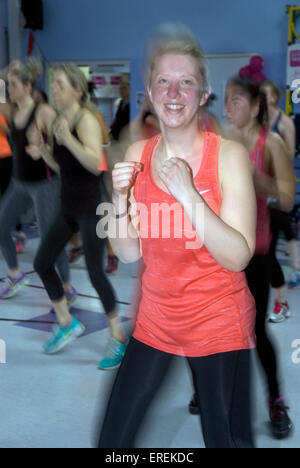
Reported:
(63, 336)
(114, 355)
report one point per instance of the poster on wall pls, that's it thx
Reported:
(293, 66)
(107, 85)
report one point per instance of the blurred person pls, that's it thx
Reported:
(76, 154)
(207, 120)
(39, 96)
(32, 181)
(122, 117)
(284, 126)
(195, 301)
(247, 111)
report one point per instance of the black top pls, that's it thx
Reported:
(24, 167)
(121, 120)
(80, 189)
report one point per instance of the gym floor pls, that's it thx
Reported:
(58, 401)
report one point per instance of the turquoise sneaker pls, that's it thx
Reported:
(114, 355)
(63, 336)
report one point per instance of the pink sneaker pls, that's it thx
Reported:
(280, 312)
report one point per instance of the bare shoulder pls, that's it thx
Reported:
(232, 152)
(135, 151)
(275, 142)
(46, 113)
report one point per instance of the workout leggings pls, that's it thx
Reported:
(258, 277)
(59, 235)
(17, 199)
(223, 387)
(280, 221)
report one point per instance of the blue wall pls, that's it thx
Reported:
(105, 29)
(3, 25)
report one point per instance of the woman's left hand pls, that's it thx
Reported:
(177, 175)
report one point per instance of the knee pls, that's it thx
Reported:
(41, 265)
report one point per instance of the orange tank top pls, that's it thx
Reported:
(190, 305)
(5, 150)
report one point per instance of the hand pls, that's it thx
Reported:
(35, 140)
(61, 130)
(177, 176)
(124, 175)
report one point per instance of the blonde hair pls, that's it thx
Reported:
(77, 80)
(276, 91)
(175, 38)
(28, 72)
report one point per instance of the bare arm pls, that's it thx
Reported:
(127, 243)
(288, 134)
(281, 184)
(230, 238)
(88, 151)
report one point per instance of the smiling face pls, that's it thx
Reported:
(239, 110)
(175, 89)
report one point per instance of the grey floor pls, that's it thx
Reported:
(58, 401)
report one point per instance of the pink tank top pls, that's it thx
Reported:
(263, 230)
(190, 305)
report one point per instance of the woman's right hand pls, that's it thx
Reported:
(124, 175)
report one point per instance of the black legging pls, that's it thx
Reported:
(223, 387)
(280, 222)
(59, 235)
(258, 277)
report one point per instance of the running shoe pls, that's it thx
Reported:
(75, 255)
(13, 286)
(294, 280)
(279, 312)
(113, 263)
(280, 421)
(194, 407)
(114, 355)
(62, 336)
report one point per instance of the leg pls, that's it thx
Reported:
(258, 274)
(138, 380)
(14, 203)
(52, 245)
(47, 204)
(94, 248)
(224, 393)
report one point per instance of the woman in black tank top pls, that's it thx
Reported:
(76, 153)
(32, 180)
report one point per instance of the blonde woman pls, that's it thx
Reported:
(76, 154)
(32, 181)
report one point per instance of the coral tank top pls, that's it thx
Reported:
(190, 305)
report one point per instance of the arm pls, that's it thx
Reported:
(288, 133)
(229, 238)
(45, 119)
(127, 243)
(88, 151)
(281, 185)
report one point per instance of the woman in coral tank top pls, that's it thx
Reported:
(195, 228)
(273, 175)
